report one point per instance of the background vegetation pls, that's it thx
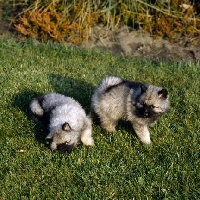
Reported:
(67, 20)
(119, 166)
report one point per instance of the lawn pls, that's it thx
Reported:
(119, 166)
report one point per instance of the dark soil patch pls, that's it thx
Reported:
(125, 41)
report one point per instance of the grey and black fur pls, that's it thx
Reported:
(139, 103)
(65, 120)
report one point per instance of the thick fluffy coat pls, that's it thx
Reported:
(65, 120)
(141, 104)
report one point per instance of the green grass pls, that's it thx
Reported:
(119, 166)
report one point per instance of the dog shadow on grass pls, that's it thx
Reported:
(22, 102)
(77, 89)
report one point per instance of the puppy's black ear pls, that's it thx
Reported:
(163, 93)
(143, 88)
(66, 127)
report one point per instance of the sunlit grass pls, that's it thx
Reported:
(119, 166)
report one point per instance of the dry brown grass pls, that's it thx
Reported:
(72, 21)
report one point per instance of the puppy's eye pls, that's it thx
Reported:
(152, 106)
(67, 142)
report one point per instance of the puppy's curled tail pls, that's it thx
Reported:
(109, 82)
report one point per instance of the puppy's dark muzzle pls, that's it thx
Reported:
(65, 147)
(48, 141)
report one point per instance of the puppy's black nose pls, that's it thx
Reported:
(48, 140)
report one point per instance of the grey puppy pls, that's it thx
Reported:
(141, 104)
(65, 120)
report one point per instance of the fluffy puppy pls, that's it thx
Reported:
(141, 104)
(65, 120)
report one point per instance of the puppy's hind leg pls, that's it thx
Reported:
(109, 124)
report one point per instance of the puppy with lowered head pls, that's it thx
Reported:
(65, 120)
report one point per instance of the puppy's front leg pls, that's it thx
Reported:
(142, 132)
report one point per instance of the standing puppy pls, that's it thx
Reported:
(65, 120)
(141, 104)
